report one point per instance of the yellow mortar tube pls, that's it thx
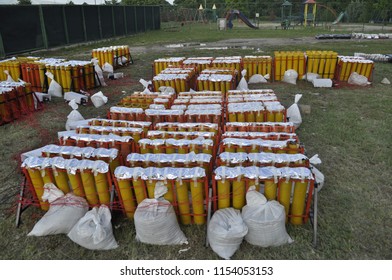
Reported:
(89, 187)
(102, 186)
(223, 193)
(127, 197)
(38, 185)
(183, 201)
(239, 193)
(270, 189)
(284, 195)
(76, 184)
(298, 204)
(197, 202)
(61, 179)
(150, 188)
(139, 189)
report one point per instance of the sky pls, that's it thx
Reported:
(5, 2)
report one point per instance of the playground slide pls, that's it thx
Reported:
(339, 18)
(242, 17)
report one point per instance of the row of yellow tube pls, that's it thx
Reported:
(292, 147)
(257, 65)
(214, 85)
(261, 127)
(322, 63)
(114, 55)
(208, 127)
(13, 68)
(170, 149)
(135, 133)
(231, 193)
(107, 122)
(347, 66)
(287, 60)
(162, 63)
(181, 83)
(94, 186)
(135, 191)
(259, 116)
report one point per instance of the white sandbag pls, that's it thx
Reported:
(311, 76)
(319, 177)
(167, 90)
(107, 67)
(357, 79)
(64, 212)
(226, 230)
(293, 113)
(243, 85)
(79, 98)
(100, 79)
(99, 99)
(9, 78)
(265, 220)
(257, 78)
(385, 81)
(290, 77)
(54, 88)
(74, 116)
(94, 230)
(145, 85)
(156, 222)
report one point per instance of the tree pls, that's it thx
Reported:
(70, 3)
(145, 2)
(24, 2)
(111, 2)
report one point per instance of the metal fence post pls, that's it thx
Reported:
(153, 17)
(125, 20)
(145, 20)
(43, 29)
(84, 24)
(65, 25)
(113, 22)
(134, 9)
(2, 51)
(99, 23)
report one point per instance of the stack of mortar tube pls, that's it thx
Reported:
(217, 80)
(135, 132)
(199, 63)
(144, 100)
(322, 63)
(12, 65)
(114, 55)
(161, 64)
(261, 65)
(193, 94)
(176, 146)
(287, 127)
(85, 178)
(259, 135)
(169, 115)
(287, 60)
(126, 114)
(110, 156)
(16, 99)
(187, 190)
(349, 64)
(290, 186)
(238, 145)
(72, 75)
(119, 123)
(124, 144)
(170, 126)
(229, 62)
(262, 159)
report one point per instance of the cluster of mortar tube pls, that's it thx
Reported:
(322, 63)
(172, 146)
(165, 159)
(349, 64)
(135, 132)
(261, 65)
(114, 55)
(264, 159)
(16, 99)
(136, 184)
(163, 63)
(119, 123)
(289, 60)
(287, 127)
(279, 184)
(238, 145)
(85, 178)
(175, 126)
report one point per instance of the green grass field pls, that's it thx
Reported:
(349, 127)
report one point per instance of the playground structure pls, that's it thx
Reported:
(230, 15)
